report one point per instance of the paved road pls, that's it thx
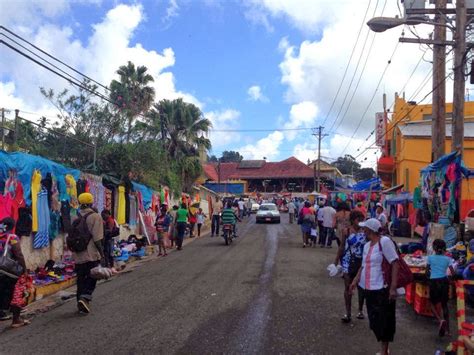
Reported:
(263, 294)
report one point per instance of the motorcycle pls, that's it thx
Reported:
(228, 235)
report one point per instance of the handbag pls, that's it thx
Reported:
(8, 266)
(404, 276)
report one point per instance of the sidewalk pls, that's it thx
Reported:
(64, 296)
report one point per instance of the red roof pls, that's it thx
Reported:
(286, 169)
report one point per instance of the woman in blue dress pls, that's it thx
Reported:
(349, 255)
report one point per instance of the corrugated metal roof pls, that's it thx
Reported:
(422, 129)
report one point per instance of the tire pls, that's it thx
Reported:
(226, 239)
(278, 221)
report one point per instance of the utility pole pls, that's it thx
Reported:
(457, 133)
(320, 136)
(438, 126)
(3, 128)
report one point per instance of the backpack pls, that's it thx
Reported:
(79, 235)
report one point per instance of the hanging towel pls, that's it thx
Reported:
(121, 205)
(54, 224)
(72, 190)
(133, 210)
(35, 189)
(41, 238)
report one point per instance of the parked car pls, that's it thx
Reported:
(268, 212)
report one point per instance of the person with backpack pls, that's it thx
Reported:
(85, 242)
(111, 230)
(380, 289)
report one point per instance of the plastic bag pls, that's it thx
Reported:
(334, 270)
(102, 273)
(23, 289)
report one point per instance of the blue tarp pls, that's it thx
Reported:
(444, 161)
(230, 188)
(400, 198)
(373, 184)
(147, 193)
(25, 164)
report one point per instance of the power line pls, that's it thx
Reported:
(373, 96)
(349, 61)
(355, 72)
(53, 57)
(394, 124)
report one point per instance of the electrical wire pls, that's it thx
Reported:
(349, 61)
(372, 98)
(53, 57)
(394, 124)
(357, 68)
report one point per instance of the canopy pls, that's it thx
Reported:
(373, 184)
(26, 164)
(400, 198)
(147, 193)
(445, 160)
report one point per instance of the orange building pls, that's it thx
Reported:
(409, 146)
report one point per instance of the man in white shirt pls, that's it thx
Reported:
(380, 215)
(241, 204)
(291, 211)
(328, 215)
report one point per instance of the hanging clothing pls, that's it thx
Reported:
(55, 205)
(47, 184)
(65, 216)
(23, 226)
(41, 238)
(121, 206)
(54, 224)
(81, 186)
(6, 206)
(35, 189)
(62, 188)
(133, 210)
(72, 190)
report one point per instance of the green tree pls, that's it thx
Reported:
(230, 156)
(348, 165)
(132, 94)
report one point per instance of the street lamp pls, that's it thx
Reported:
(382, 24)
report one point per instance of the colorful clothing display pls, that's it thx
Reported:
(35, 189)
(41, 238)
(72, 190)
(121, 205)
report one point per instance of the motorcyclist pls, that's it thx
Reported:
(229, 216)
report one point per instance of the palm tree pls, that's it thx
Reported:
(182, 127)
(132, 94)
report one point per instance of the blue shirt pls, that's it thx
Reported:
(355, 246)
(439, 264)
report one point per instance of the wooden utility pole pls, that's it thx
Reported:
(438, 127)
(320, 136)
(3, 129)
(457, 133)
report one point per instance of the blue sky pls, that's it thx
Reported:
(212, 52)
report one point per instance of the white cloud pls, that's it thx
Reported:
(305, 15)
(312, 70)
(171, 11)
(223, 120)
(302, 114)
(255, 94)
(267, 147)
(108, 47)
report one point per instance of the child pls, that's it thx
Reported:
(162, 227)
(438, 264)
(200, 220)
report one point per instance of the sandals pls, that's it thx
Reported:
(346, 319)
(360, 315)
(23, 323)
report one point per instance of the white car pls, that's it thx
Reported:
(268, 212)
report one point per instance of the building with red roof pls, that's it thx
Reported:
(261, 176)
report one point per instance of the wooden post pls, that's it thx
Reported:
(457, 133)
(438, 127)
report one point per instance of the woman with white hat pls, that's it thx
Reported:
(379, 295)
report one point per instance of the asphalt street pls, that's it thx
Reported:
(263, 294)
